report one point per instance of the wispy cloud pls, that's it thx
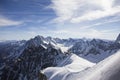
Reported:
(97, 14)
(107, 21)
(76, 11)
(88, 33)
(7, 22)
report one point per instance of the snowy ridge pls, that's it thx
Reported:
(72, 64)
(105, 69)
(102, 71)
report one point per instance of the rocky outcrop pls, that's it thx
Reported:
(118, 39)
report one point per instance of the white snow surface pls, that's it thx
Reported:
(76, 68)
(63, 47)
(72, 64)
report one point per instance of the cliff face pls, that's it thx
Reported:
(118, 39)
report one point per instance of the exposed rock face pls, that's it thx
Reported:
(42, 77)
(8, 48)
(118, 39)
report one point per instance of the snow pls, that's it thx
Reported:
(45, 42)
(76, 68)
(76, 63)
(104, 69)
(70, 65)
(55, 73)
(63, 47)
(44, 46)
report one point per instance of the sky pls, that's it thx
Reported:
(24, 19)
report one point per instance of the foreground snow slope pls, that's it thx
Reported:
(104, 70)
(72, 64)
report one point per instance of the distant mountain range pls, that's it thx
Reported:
(26, 59)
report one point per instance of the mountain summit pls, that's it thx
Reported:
(118, 39)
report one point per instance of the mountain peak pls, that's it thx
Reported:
(39, 37)
(118, 39)
(36, 41)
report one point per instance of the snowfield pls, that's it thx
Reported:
(72, 64)
(77, 68)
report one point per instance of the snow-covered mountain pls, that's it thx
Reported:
(95, 50)
(35, 55)
(23, 60)
(105, 70)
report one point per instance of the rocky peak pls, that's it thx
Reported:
(37, 41)
(118, 39)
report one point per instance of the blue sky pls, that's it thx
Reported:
(24, 19)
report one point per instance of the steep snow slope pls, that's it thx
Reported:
(76, 63)
(104, 70)
(70, 65)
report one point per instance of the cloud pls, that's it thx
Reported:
(76, 11)
(107, 21)
(97, 14)
(7, 22)
(110, 34)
